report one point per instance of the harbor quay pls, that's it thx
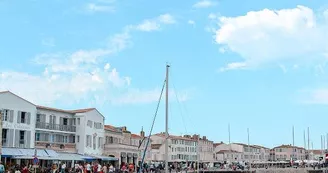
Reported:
(40, 136)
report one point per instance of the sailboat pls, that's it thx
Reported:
(166, 85)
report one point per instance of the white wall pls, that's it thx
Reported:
(12, 102)
(84, 130)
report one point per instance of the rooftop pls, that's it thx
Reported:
(289, 146)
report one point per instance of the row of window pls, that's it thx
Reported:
(183, 149)
(17, 138)
(95, 125)
(288, 149)
(184, 142)
(55, 138)
(91, 141)
(22, 117)
(184, 157)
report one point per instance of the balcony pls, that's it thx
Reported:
(58, 127)
(60, 147)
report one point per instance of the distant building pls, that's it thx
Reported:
(181, 148)
(316, 154)
(241, 152)
(288, 152)
(125, 146)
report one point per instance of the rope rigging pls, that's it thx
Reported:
(152, 126)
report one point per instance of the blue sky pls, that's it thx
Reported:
(253, 64)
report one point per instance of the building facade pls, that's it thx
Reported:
(241, 152)
(122, 144)
(289, 152)
(29, 126)
(206, 150)
(181, 149)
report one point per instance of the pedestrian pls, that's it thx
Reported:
(2, 168)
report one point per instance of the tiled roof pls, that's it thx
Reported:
(288, 146)
(66, 111)
(217, 144)
(112, 128)
(316, 152)
(227, 151)
(135, 136)
(176, 137)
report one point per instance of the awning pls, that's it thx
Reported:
(69, 156)
(10, 152)
(107, 158)
(31, 152)
(28, 153)
(52, 153)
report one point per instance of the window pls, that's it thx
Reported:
(6, 114)
(73, 139)
(73, 121)
(94, 142)
(78, 138)
(21, 137)
(65, 121)
(89, 123)
(37, 136)
(23, 117)
(88, 141)
(99, 140)
(38, 118)
(78, 121)
(4, 136)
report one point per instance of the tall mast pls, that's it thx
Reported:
(308, 138)
(198, 155)
(293, 146)
(249, 149)
(304, 140)
(167, 120)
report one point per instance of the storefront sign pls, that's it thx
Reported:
(9, 125)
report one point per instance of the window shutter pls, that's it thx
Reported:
(11, 138)
(43, 118)
(28, 118)
(27, 139)
(11, 117)
(17, 138)
(18, 116)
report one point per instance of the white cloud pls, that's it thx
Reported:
(166, 19)
(191, 22)
(77, 76)
(148, 25)
(107, 66)
(275, 36)
(317, 96)
(204, 4)
(233, 66)
(154, 24)
(92, 7)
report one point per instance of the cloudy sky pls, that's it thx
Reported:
(254, 64)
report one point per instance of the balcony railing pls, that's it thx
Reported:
(59, 127)
(57, 146)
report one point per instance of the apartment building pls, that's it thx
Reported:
(206, 149)
(27, 126)
(288, 152)
(123, 145)
(181, 148)
(241, 152)
(77, 131)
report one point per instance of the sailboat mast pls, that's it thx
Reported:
(167, 120)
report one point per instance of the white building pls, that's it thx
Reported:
(241, 152)
(27, 126)
(181, 149)
(206, 150)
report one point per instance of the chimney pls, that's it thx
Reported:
(124, 128)
(142, 133)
